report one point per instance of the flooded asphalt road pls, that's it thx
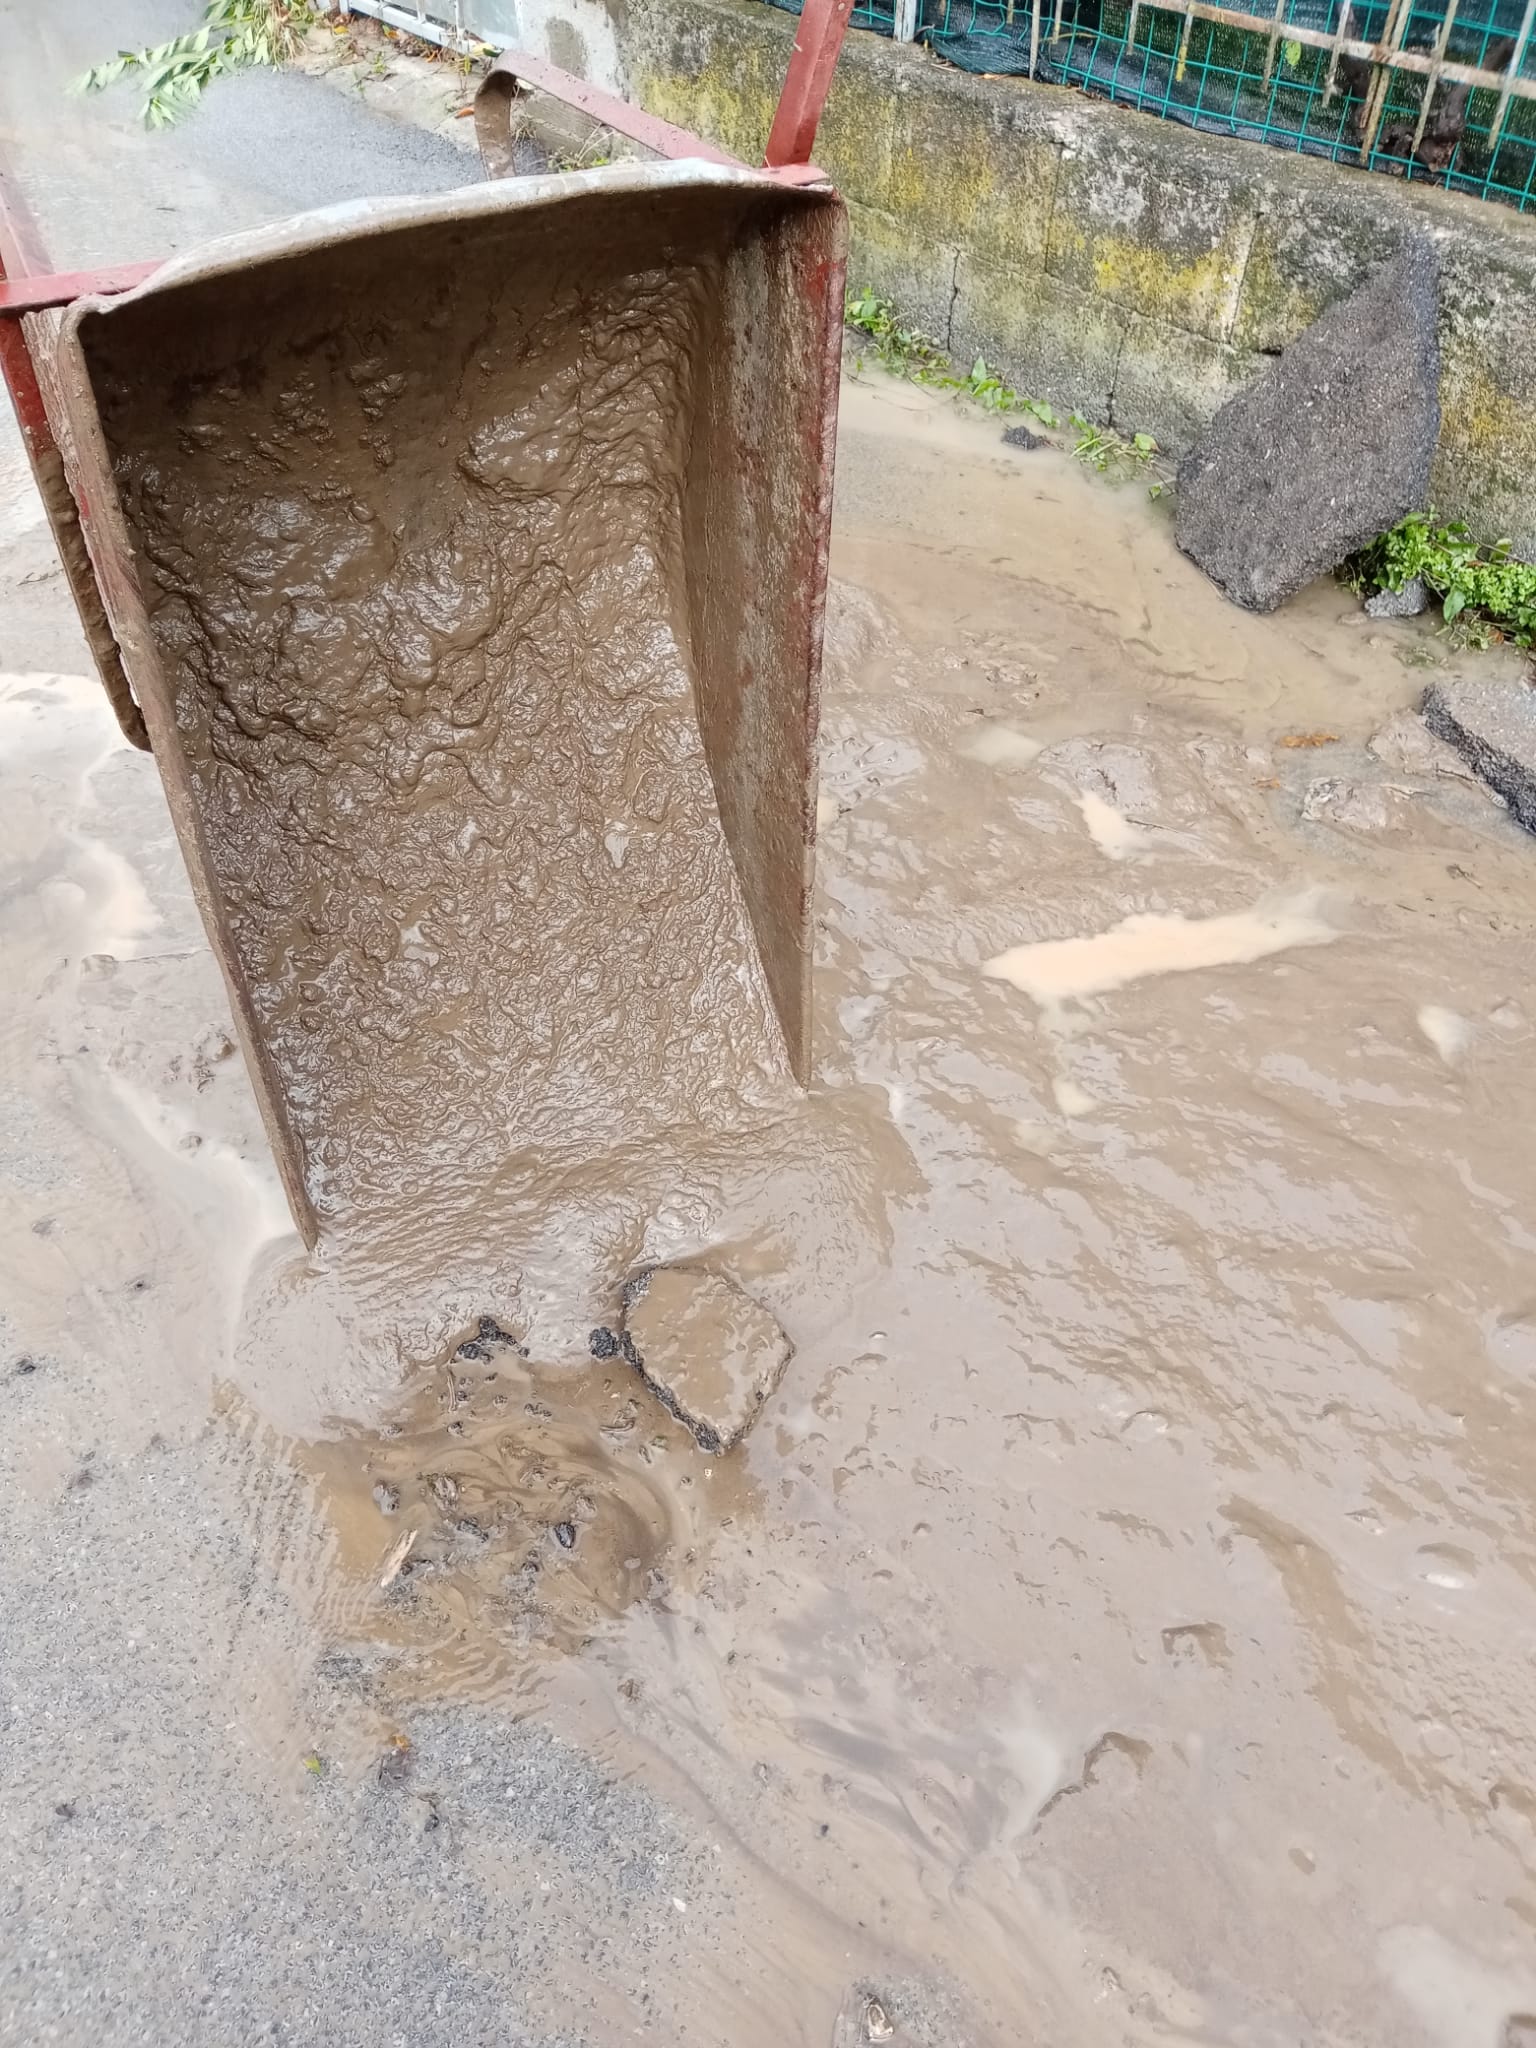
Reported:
(1119, 1628)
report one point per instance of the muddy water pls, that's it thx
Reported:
(441, 735)
(1119, 1626)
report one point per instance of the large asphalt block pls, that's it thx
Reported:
(1327, 448)
(1492, 725)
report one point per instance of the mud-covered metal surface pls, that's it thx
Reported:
(468, 557)
(1118, 1625)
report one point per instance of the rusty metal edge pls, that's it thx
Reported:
(113, 559)
(819, 34)
(34, 293)
(117, 583)
(517, 70)
(832, 287)
(22, 255)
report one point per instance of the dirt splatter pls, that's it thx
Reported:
(1117, 1624)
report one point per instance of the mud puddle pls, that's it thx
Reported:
(1118, 1626)
(506, 1514)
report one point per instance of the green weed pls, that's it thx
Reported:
(235, 34)
(1484, 593)
(1112, 453)
(908, 353)
(592, 154)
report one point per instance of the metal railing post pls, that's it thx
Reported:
(1382, 68)
(1512, 72)
(1433, 80)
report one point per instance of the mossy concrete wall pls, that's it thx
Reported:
(1105, 260)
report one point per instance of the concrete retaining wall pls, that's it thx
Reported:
(1105, 260)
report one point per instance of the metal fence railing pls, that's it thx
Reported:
(1437, 90)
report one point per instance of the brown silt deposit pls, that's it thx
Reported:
(467, 559)
(1117, 1625)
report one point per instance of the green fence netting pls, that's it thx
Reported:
(1275, 85)
(880, 15)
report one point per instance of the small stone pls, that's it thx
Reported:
(565, 1535)
(25, 1366)
(864, 2017)
(603, 1344)
(395, 1763)
(709, 1352)
(1325, 449)
(491, 1332)
(1358, 806)
(1406, 603)
(1492, 725)
(1022, 437)
(386, 1498)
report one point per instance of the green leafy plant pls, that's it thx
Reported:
(235, 34)
(1110, 452)
(904, 351)
(1482, 589)
(593, 153)
(908, 353)
(986, 389)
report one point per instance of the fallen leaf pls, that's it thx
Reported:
(314, 1765)
(1308, 739)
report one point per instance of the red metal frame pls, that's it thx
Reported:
(31, 294)
(818, 42)
(24, 278)
(21, 255)
(606, 110)
(27, 285)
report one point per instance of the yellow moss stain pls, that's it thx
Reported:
(957, 186)
(1198, 293)
(1487, 437)
(945, 172)
(735, 112)
(1273, 309)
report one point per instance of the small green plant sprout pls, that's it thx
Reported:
(235, 34)
(1110, 452)
(594, 152)
(988, 390)
(1483, 591)
(903, 351)
(908, 353)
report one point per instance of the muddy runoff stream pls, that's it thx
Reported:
(1118, 1627)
